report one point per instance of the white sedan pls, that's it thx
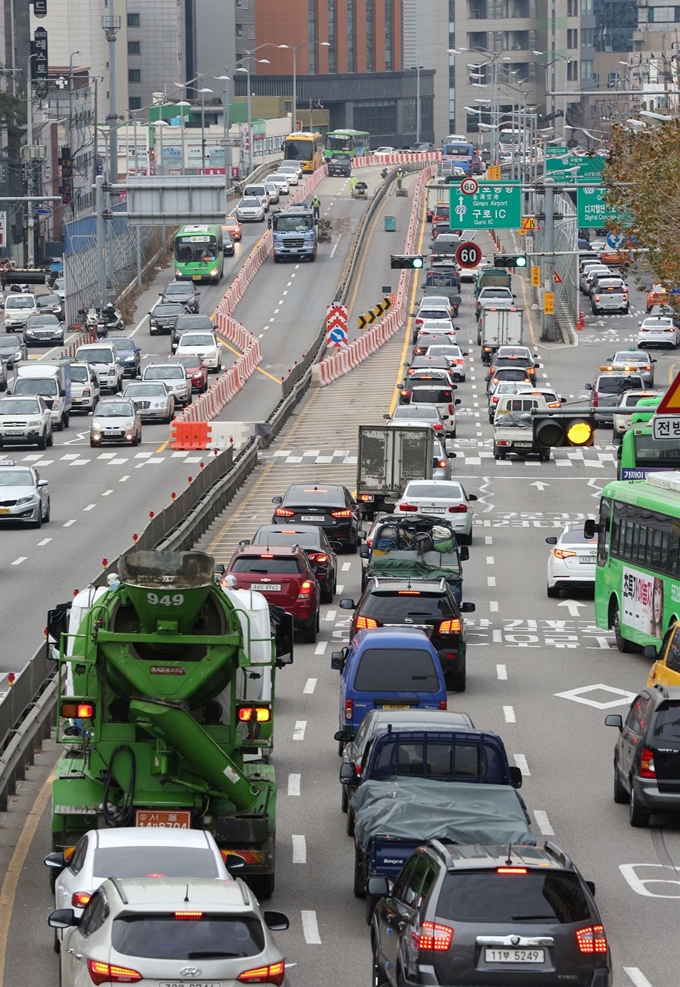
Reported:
(470, 273)
(281, 182)
(203, 345)
(440, 497)
(384, 150)
(455, 357)
(292, 171)
(250, 210)
(658, 330)
(572, 560)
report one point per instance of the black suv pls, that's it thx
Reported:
(428, 605)
(163, 317)
(647, 753)
(341, 164)
(189, 323)
(183, 292)
(482, 915)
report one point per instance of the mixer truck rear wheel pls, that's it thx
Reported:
(309, 633)
(262, 885)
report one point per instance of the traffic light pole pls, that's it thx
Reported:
(548, 334)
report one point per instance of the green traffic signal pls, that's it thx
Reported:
(510, 260)
(409, 261)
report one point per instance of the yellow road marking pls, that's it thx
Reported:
(164, 446)
(266, 373)
(671, 372)
(16, 866)
(404, 352)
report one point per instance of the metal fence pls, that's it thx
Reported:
(123, 258)
(21, 695)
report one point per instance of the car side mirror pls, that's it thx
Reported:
(138, 349)
(337, 661)
(452, 455)
(377, 887)
(386, 417)
(591, 528)
(43, 483)
(464, 553)
(219, 569)
(277, 500)
(234, 862)
(551, 540)
(614, 720)
(56, 860)
(364, 552)
(342, 736)
(347, 605)
(62, 918)
(472, 496)
(649, 651)
(348, 773)
(589, 387)
(276, 921)
(515, 776)
(591, 887)
(244, 542)
(467, 608)
(458, 401)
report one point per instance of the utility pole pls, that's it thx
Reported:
(549, 252)
(111, 25)
(101, 238)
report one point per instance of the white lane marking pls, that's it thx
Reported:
(299, 850)
(124, 478)
(71, 455)
(502, 672)
(310, 686)
(294, 784)
(488, 540)
(69, 523)
(335, 247)
(493, 606)
(521, 762)
(90, 507)
(22, 558)
(45, 541)
(299, 731)
(331, 615)
(498, 637)
(637, 976)
(543, 822)
(320, 649)
(107, 493)
(490, 560)
(284, 293)
(310, 928)
(346, 566)
(289, 284)
(509, 714)
(490, 580)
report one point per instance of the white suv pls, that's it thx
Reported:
(25, 421)
(204, 346)
(18, 309)
(106, 362)
(174, 376)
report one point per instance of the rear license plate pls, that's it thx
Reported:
(514, 955)
(190, 983)
(434, 510)
(4, 510)
(522, 445)
(311, 517)
(587, 560)
(163, 819)
(14, 431)
(386, 706)
(263, 587)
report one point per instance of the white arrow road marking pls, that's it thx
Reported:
(540, 484)
(573, 606)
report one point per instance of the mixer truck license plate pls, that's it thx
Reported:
(164, 819)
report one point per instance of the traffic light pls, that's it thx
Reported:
(400, 261)
(510, 260)
(563, 429)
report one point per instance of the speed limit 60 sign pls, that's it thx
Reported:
(468, 254)
(469, 186)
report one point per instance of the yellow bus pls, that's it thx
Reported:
(305, 148)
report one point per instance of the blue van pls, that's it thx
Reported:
(463, 155)
(388, 668)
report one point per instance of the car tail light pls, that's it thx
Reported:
(80, 898)
(188, 916)
(494, 399)
(442, 463)
(433, 936)
(458, 509)
(305, 590)
(407, 507)
(647, 766)
(457, 363)
(502, 442)
(272, 974)
(597, 298)
(283, 512)
(254, 714)
(531, 371)
(77, 711)
(438, 427)
(512, 870)
(341, 513)
(554, 404)
(625, 298)
(349, 709)
(452, 409)
(443, 704)
(406, 394)
(591, 939)
(109, 973)
(363, 623)
(563, 553)
(594, 402)
(451, 626)
(365, 498)
(320, 558)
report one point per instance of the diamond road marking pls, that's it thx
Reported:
(143, 455)
(577, 696)
(71, 455)
(179, 455)
(106, 455)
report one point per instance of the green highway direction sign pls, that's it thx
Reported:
(494, 206)
(557, 163)
(592, 208)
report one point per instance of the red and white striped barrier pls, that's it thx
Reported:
(340, 363)
(399, 157)
(86, 336)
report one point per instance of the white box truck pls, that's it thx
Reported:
(53, 382)
(390, 456)
(499, 327)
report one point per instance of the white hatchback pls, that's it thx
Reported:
(572, 560)
(292, 171)
(203, 345)
(447, 498)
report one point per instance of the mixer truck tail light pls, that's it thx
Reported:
(253, 858)
(72, 709)
(254, 714)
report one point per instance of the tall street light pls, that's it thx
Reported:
(225, 125)
(182, 104)
(111, 26)
(246, 68)
(546, 65)
(492, 59)
(203, 92)
(295, 49)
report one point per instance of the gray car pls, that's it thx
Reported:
(24, 496)
(633, 361)
(152, 398)
(136, 924)
(115, 420)
(174, 375)
(12, 350)
(43, 329)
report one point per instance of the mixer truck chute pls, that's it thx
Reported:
(166, 707)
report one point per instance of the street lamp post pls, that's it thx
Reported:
(492, 59)
(225, 126)
(70, 99)
(183, 103)
(111, 25)
(203, 92)
(246, 68)
(556, 56)
(295, 49)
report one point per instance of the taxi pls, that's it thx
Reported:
(24, 496)
(657, 295)
(613, 258)
(232, 226)
(666, 668)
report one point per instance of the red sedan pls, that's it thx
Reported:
(197, 371)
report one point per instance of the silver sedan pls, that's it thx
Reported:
(153, 400)
(116, 420)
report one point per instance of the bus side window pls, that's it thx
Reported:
(671, 648)
(603, 536)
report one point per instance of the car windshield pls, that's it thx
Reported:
(123, 344)
(325, 496)
(19, 301)
(509, 373)
(45, 301)
(250, 203)
(444, 351)
(45, 386)
(39, 321)
(164, 373)
(190, 249)
(432, 395)
(163, 937)
(80, 374)
(114, 409)
(28, 407)
(95, 355)
(188, 362)
(441, 759)
(495, 293)
(294, 224)
(631, 356)
(396, 670)
(575, 536)
(657, 320)
(408, 603)
(8, 344)
(15, 478)
(154, 861)
(423, 412)
(451, 491)
(266, 566)
(197, 339)
(178, 290)
(491, 898)
(185, 322)
(141, 390)
(614, 385)
(59, 284)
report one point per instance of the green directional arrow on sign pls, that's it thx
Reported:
(494, 206)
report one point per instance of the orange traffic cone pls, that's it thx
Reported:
(580, 322)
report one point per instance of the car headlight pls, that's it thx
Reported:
(96, 426)
(34, 423)
(112, 372)
(25, 500)
(211, 355)
(129, 425)
(215, 271)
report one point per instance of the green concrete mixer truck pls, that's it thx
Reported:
(166, 707)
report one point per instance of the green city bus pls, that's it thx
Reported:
(198, 253)
(637, 578)
(640, 453)
(355, 143)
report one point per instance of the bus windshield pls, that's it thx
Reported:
(192, 249)
(299, 150)
(338, 142)
(656, 452)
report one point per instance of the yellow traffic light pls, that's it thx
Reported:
(580, 433)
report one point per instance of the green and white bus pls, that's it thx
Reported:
(640, 453)
(198, 253)
(637, 578)
(356, 143)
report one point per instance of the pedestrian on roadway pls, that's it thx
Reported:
(316, 206)
(352, 183)
(400, 177)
